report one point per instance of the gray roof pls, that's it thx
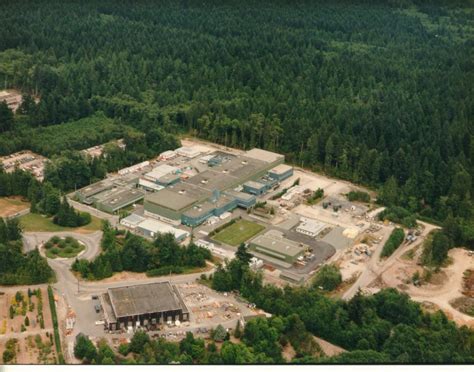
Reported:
(254, 184)
(120, 197)
(274, 240)
(264, 155)
(172, 199)
(145, 299)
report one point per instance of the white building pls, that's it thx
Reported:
(134, 168)
(188, 151)
(151, 228)
(160, 171)
(167, 155)
(310, 227)
(132, 221)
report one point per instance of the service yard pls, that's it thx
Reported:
(238, 232)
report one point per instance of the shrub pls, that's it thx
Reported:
(358, 196)
(328, 278)
(393, 242)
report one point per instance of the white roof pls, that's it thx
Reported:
(311, 226)
(160, 171)
(159, 227)
(189, 151)
(149, 184)
(168, 153)
(133, 219)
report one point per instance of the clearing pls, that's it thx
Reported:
(36, 222)
(238, 232)
(10, 206)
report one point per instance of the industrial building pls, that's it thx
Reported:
(144, 305)
(310, 227)
(274, 245)
(111, 196)
(151, 228)
(111, 201)
(281, 172)
(212, 191)
(132, 221)
(188, 151)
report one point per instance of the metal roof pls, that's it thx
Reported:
(145, 299)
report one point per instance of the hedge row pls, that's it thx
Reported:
(393, 242)
(54, 316)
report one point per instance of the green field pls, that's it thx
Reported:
(37, 222)
(238, 232)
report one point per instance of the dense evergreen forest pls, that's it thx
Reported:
(377, 92)
(371, 91)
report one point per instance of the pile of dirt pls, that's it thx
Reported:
(468, 283)
(464, 305)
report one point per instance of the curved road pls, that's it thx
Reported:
(76, 293)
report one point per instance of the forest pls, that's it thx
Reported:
(17, 268)
(128, 252)
(379, 93)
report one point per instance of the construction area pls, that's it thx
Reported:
(27, 161)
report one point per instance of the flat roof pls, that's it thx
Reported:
(208, 205)
(120, 196)
(95, 188)
(149, 184)
(264, 155)
(159, 227)
(240, 195)
(281, 168)
(145, 299)
(172, 199)
(161, 171)
(274, 240)
(254, 184)
(133, 219)
(312, 226)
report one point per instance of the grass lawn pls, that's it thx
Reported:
(37, 222)
(63, 247)
(238, 232)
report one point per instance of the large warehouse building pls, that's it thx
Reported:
(211, 192)
(143, 305)
(274, 245)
